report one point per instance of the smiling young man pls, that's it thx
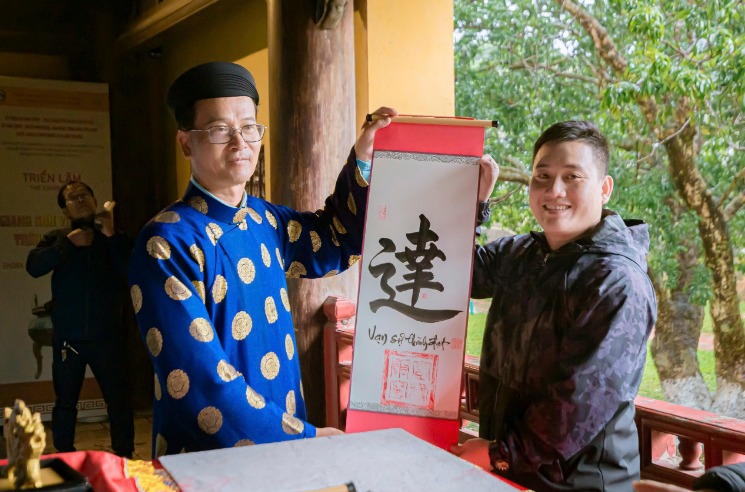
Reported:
(208, 276)
(565, 340)
(88, 262)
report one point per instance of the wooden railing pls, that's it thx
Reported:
(676, 443)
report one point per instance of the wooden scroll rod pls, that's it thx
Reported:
(435, 120)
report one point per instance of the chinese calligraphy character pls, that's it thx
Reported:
(418, 261)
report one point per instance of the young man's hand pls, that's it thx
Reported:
(488, 174)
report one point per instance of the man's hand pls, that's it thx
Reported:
(81, 236)
(328, 431)
(363, 148)
(106, 218)
(488, 174)
(474, 450)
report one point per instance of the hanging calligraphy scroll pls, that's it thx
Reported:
(415, 280)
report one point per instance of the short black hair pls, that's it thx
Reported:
(62, 201)
(568, 131)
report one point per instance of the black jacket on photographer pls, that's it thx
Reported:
(88, 284)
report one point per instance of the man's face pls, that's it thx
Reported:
(567, 191)
(79, 203)
(221, 167)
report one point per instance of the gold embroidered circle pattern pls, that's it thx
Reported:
(289, 347)
(210, 420)
(168, 217)
(279, 258)
(154, 341)
(315, 240)
(242, 325)
(351, 204)
(240, 216)
(201, 330)
(226, 371)
(338, 225)
(161, 446)
(290, 402)
(270, 366)
(285, 299)
(354, 259)
(198, 203)
(156, 388)
(177, 384)
(254, 399)
(214, 232)
(136, 293)
(243, 442)
(158, 248)
(198, 256)
(292, 425)
(219, 288)
(243, 226)
(294, 229)
(255, 216)
(270, 217)
(246, 270)
(265, 257)
(358, 177)
(270, 309)
(296, 270)
(199, 287)
(333, 237)
(176, 290)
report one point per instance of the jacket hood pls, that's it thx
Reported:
(613, 235)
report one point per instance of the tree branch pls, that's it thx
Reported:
(656, 145)
(734, 206)
(606, 48)
(535, 66)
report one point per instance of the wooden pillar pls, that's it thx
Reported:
(312, 108)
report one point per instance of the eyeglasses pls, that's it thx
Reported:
(77, 197)
(223, 134)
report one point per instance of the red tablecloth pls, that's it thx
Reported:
(107, 472)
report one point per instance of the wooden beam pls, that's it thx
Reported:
(157, 20)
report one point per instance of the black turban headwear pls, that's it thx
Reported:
(208, 81)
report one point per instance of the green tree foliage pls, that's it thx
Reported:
(665, 80)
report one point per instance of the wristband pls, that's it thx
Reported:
(484, 212)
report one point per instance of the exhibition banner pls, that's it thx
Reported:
(51, 132)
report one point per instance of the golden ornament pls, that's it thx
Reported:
(201, 330)
(158, 248)
(154, 341)
(136, 293)
(177, 384)
(242, 325)
(210, 420)
(168, 217)
(176, 290)
(294, 229)
(270, 366)
(219, 289)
